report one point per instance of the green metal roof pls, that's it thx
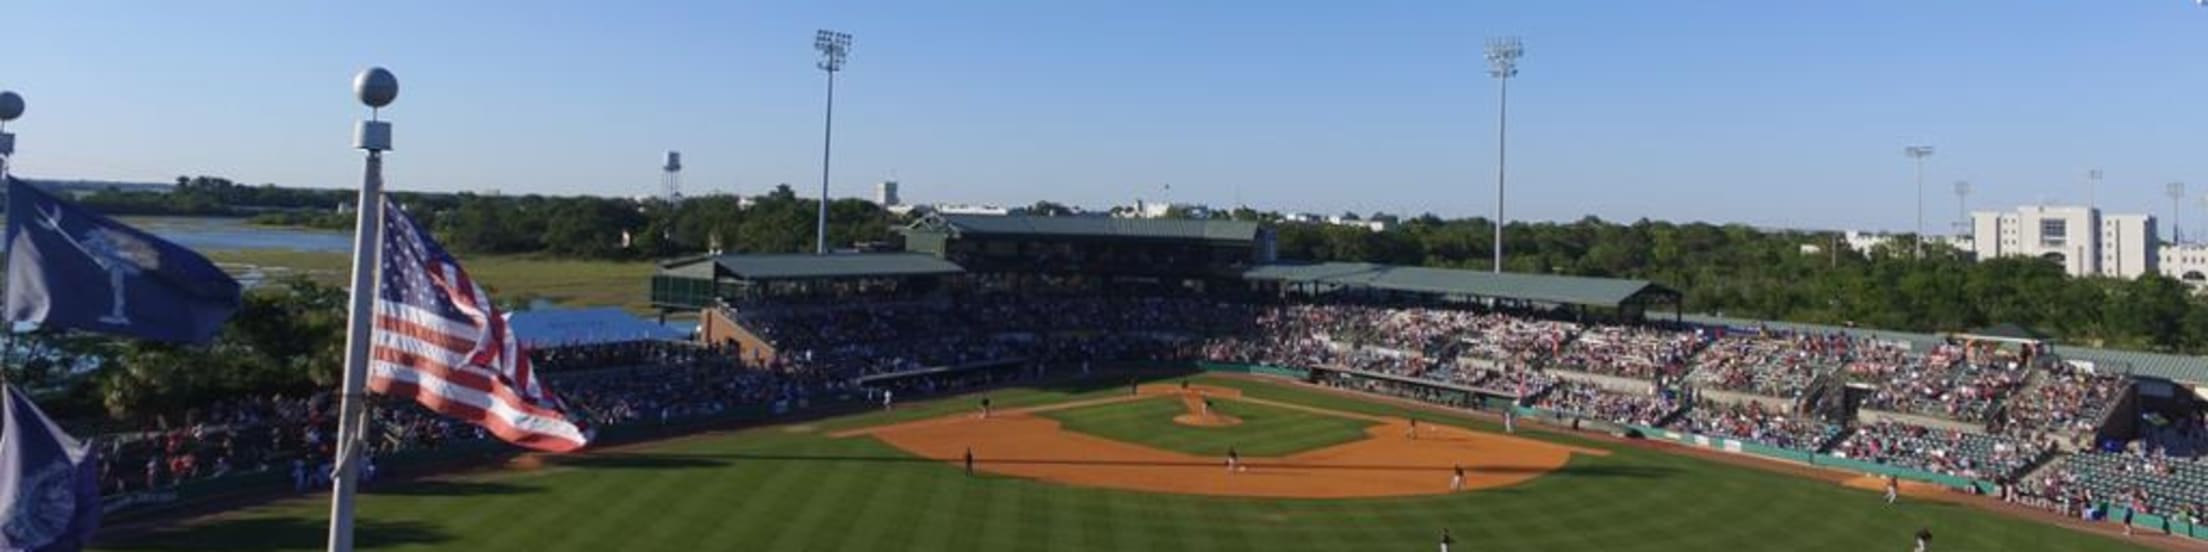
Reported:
(1916, 339)
(2138, 363)
(1178, 229)
(1546, 288)
(800, 266)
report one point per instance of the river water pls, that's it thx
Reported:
(213, 234)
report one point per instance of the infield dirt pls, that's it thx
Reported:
(1388, 462)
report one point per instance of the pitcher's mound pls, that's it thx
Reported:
(1200, 420)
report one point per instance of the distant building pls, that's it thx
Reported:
(2185, 261)
(1373, 225)
(962, 209)
(1149, 210)
(885, 193)
(1864, 242)
(2081, 239)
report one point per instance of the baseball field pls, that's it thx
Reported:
(1116, 467)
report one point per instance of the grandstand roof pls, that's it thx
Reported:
(1916, 339)
(1179, 229)
(2137, 363)
(1546, 288)
(803, 267)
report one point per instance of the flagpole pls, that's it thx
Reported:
(375, 87)
(11, 107)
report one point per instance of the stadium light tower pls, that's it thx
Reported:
(2176, 191)
(1962, 205)
(1918, 153)
(1502, 63)
(2092, 181)
(833, 46)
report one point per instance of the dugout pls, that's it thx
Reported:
(1092, 253)
(1581, 298)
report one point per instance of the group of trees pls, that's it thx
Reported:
(589, 227)
(214, 196)
(287, 337)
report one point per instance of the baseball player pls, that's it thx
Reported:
(1207, 407)
(1456, 482)
(1446, 540)
(888, 397)
(1234, 461)
(1924, 539)
(1510, 420)
(1893, 489)
(1413, 433)
(969, 461)
(985, 407)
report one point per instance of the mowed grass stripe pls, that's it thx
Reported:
(766, 487)
(901, 485)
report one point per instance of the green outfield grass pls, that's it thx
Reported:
(794, 488)
(1264, 431)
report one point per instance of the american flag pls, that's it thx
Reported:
(439, 341)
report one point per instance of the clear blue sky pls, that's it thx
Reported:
(1768, 112)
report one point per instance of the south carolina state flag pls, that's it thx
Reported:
(69, 268)
(49, 483)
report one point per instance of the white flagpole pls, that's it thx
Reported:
(11, 107)
(375, 87)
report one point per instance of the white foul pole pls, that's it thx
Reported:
(375, 87)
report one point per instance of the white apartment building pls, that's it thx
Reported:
(2185, 261)
(2083, 240)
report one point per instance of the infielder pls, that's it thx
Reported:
(1234, 461)
(1456, 482)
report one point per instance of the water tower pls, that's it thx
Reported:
(670, 179)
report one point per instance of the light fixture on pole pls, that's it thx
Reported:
(833, 46)
(11, 108)
(2176, 191)
(1918, 153)
(1502, 63)
(1962, 206)
(376, 88)
(2092, 181)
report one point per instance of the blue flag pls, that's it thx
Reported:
(49, 483)
(69, 268)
